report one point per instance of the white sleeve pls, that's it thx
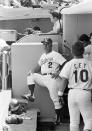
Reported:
(60, 59)
(56, 27)
(65, 71)
(87, 49)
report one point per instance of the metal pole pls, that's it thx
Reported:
(4, 70)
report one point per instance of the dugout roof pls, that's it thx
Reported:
(81, 8)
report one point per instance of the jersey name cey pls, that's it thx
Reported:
(78, 72)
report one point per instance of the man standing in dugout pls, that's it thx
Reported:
(50, 65)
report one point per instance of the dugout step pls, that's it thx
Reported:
(45, 124)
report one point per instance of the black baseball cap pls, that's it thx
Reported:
(56, 14)
(84, 37)
(47, 41)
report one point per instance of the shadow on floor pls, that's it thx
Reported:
(51, 127)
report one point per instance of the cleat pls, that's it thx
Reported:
(28, 97)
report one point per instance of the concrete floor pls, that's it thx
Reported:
(65, 127)
(62, 127)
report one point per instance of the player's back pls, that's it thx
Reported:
(79, 73)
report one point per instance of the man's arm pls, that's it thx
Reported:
(64, 83)
(53, 32)
(56, 30)
(87, 49)
(48, 33)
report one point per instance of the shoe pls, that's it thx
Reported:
(28, 97)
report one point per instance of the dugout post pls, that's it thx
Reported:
(4, 69)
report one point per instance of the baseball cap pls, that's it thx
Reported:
(84, 37)
(46, 41)
(56, 14)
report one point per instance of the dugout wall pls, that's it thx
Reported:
(77, 20)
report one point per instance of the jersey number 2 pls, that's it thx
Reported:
(50, 65)
(83, 75)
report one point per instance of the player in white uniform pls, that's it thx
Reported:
(78, 74)
(56, 19)
(88, 50)
(50, 64)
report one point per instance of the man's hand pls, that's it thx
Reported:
(61, 100)
(55, 75)
(60, 95)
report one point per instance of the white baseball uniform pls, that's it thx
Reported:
(56, 27)
(49, 64)
(88, 52)
(78, 72)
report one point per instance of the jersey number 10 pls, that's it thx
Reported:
(83, 75)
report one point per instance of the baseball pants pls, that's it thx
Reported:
(79, 101)
(50, 83)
